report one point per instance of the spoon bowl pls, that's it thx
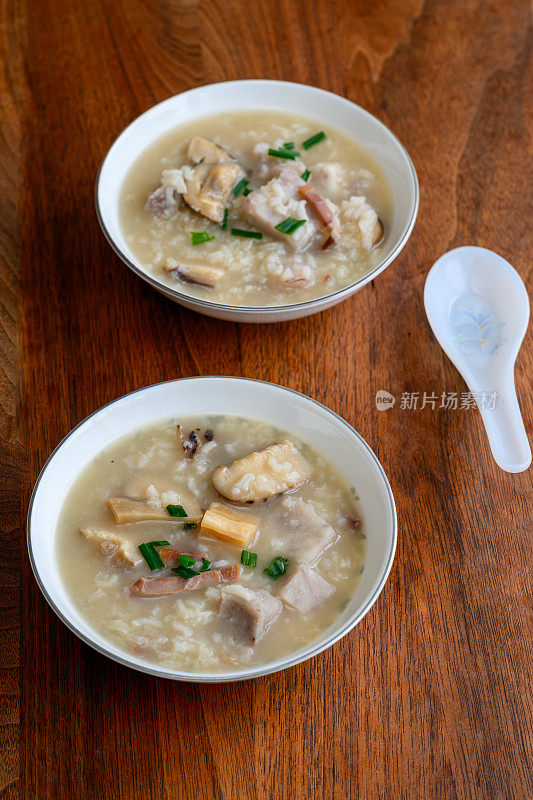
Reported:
(478, 308)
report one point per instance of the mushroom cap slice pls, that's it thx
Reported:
(210, 186)
(262, 474)
(206, 151)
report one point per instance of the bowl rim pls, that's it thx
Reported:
(260, 670)
(338, 294)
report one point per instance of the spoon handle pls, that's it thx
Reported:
(505, 429)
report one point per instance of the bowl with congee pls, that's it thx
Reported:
(256, 200)
(212, 529)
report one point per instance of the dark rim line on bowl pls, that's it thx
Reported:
(258, 672)
(158, 285)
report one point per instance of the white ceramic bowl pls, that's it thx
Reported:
(234, 95)
(290, 410)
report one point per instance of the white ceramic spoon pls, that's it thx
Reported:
(478, 308)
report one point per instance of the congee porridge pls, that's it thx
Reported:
(257, 208)
(210, 543)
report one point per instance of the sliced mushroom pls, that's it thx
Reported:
(262, 474)
(200, 274)
(208, 152)
(118, 549)
(209, 188)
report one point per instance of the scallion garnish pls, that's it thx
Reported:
(291, 154)
(318, 137)
(240, 186)
(150, 554)
(246, 234)
(205, 565)
(176, 511)
(200, 238)
(246, 192)
(290, 225)
(305, 175)
(288, 146)
(187, 526)
(185, 572)
(224, 223)
(248, 559)
(186, 561)
(277, 568)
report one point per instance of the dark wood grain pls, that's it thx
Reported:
(430, 696)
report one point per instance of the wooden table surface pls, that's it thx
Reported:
(430, 696)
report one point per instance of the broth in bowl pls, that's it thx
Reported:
(256, 208)
(211, 542)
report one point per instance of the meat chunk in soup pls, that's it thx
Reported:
(247, 615)
(262, 474)
(118, 549)
(173, 584)
(275, 202)
(329, 178)
(305, 589)
(264, 167)
(297, 273)
(305, 534)
(164, 201)
(324, 211)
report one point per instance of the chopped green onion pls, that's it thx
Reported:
(205, 565)
(189, 526)
(177, 511)
(246, 192)
(291, 154)
(246, 234)
(224, 223)
(240, 186)
(185, 572)
(290, 225)
(150, 554)
(288, 146)
(318, 137)
(200, 238)
(277, 568)
(248, 559)
(305, 175)
(186, 561)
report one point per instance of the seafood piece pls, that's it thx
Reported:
(262, 474)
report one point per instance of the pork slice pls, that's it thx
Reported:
(304, 534)
(248, 614)
(173, 584)
(275, 202)
(305, 589)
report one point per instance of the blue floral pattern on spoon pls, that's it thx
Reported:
(477, 330)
